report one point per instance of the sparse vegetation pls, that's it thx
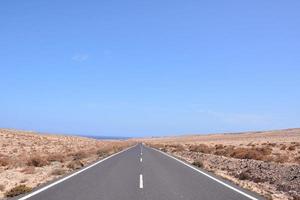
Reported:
(28, 170)
(57, 172)
(202, 148)
(251, 153)
(57, 157)
(246, 175)
(176, 147)
(24, 180)
(292, 148)
(37, 161)
(281, 158)
(20, 189)
(4, 161)
(198, 163)
(297, 159)
(75, 164)
(2, 187)
(266, 162)
(80, 155)
(283, 147)
(103, 152)
(31, 158)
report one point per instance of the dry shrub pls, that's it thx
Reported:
(296, 144)
(4, 161)
(20, 189)
(37, 161)
(243, 176)
(176, 147)
(283, 147)
(56, 158)
(117, 148)
(226, 151)
(157, 146)
(244, 153)
(296, 197)
(24, 180)
(28, 170)
(272, 144)
(251, 153)
(291, 148)
(80, 155)
(246, 175)
(198, 163)
(281, 158)
(2, 188)
(297, 159)
(75, 164)
(202, 148)
(57, 172)
(219, 146)
(103, 152)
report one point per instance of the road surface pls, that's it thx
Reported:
(140, 173)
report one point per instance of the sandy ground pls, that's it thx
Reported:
(266, 162)
(31, 159)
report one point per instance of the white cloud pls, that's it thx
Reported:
(80, 57)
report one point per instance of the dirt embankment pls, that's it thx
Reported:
(28, 159)
(264, 162)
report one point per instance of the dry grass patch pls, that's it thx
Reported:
(103, 152)
(283, 147)
(251, 153)
(57, 157)
(297, 160)
(4, 161)
(198, 163)
(2, 188)
(246, 175)
(75, 164)
(281, 158)
(80, 155)
(176, 147)
(58, 172)
(292, 148)
(37, 161)
(20, 189)
(28, 170)
(202, 148)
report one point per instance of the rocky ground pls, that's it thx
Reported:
(29, 159)
(264, 162)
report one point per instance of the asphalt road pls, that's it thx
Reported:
(140, 173)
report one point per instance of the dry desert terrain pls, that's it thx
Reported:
(29, 159)
(266, 162)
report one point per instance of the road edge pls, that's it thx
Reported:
(60, 180)
(207, 175)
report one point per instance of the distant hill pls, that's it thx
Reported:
(105, 137)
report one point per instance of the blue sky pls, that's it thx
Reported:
(142, 68)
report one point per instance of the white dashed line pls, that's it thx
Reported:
(141, 159)
(141, 181)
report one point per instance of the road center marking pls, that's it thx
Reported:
(141, 159)
(141, 181)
